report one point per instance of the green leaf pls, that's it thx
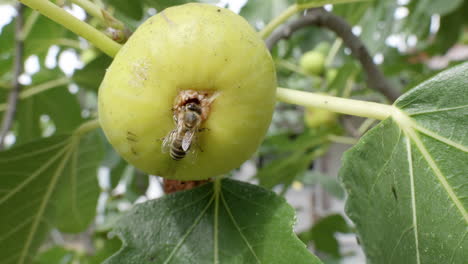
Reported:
(317, 3)
(329, 184)
(55, 255)
(450, 30)
(79, 189)
(224, 222)
(322, 234)
(132, 9)
(284, 171)
(262, 12)
(53, 103)
(352, 13)
(437, 7)
(92, 74)
(7, 40)
(44, 33)
(346, 73)
(406, 178)
(104, 249)
(43, 184)
(114, 162)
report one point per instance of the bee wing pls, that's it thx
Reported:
(166, 144)
(187, 140)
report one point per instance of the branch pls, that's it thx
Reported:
(9, 115)
(321, 18)
(86, 127)
(57, 14)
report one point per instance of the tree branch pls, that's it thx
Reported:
(321, 18)
(9, 115)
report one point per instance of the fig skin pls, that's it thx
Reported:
(189, 47)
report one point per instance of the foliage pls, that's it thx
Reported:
(405, 180)
(238, 222)
(401, 184)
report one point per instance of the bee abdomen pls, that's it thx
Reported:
(177, 153)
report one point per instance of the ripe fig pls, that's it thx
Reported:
(197, 59)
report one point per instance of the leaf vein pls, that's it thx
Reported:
(189, 231)
(440, 138)
(413, 198)
(42, 207)
(249, 246)
(439, 110)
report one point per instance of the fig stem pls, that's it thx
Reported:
(57, 14)
(296, 8)
(342, 139)
(333, 51)
(86, 127)
(335, 104)
(29, 23)
(98, 12)
(289, 12)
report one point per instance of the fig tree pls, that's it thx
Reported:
(190, 95)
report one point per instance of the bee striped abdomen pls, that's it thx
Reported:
(187, 122)
(177, 153)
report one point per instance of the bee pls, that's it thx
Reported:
(188, 122)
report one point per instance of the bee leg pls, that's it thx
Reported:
(203, 129)
(199, 147)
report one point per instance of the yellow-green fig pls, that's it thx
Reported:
(313, 62)
(316, 117)
(330, 75)
(190, 95)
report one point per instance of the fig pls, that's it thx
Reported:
(195, 79)
(313, 62)
(330, 75)
(317, 117)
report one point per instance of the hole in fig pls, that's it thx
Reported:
(202, 98)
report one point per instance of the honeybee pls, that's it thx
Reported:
(188, 122)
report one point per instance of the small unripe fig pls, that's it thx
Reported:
(313, 62)
(190, 95)
(316, 117)
(330, 75)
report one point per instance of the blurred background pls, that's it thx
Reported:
(409, 40)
